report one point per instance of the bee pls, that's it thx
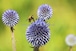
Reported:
(31, 18)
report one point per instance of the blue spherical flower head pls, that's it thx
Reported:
(10, 18)
(44, 11)
(38, 33)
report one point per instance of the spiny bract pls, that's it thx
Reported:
(10, 18)
(38, 33)
(44, 11)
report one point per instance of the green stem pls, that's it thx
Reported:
(36, 48)
(70, 49)
(13, 39)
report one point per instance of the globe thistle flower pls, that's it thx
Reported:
(70, 40)
(10, 18)
(44, 11)
(38, 33)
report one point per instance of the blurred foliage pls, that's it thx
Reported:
(62, 23)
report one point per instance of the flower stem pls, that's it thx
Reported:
(70, 49)
(36, 48)
(13, 39)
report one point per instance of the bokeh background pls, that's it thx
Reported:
(62, 23)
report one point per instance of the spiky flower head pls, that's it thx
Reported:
(38, 33)
(70, 40)
(10, 18)
(44, 11)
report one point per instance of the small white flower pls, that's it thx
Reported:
(70, 40)
(44, 11)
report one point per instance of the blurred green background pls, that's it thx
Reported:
(62, 23)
